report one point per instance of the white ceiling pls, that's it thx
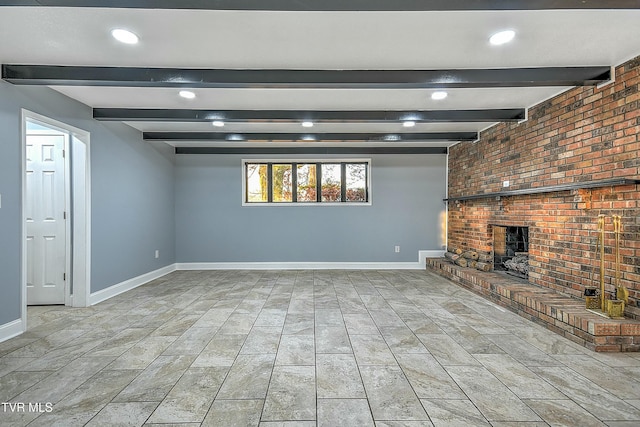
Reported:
(315, 40)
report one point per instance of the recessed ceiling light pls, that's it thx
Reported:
(409, 124)
(235, 137)
(392, 138)
(308, 138)
(502, 37)
(217, 123)
(187, 94)
(307, 124)
(124, 36)
(438, 96)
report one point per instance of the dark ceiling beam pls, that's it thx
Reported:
(264, 78)
(311, 150)
(318, 137)
(317, 116)
(336, 5)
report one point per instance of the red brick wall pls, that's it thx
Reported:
(584, 134)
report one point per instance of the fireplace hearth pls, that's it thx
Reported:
(511, 250)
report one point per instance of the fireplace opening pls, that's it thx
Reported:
(511, 250)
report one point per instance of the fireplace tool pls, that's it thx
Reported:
(594, 295)
(601, 249)
(621, 292)
(614, 307)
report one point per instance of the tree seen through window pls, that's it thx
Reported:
(306, 182)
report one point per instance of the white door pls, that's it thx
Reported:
(45, 215)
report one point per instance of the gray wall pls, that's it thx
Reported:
(132, 195)
(213, 226)
(132, 202)
(10, 222)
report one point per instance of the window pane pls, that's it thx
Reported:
(281, 175)
(356, 182)
(257, 182)
(330, 182)
(307, 182)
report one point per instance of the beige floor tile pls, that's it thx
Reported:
(401, 339)
(296, 350)
(521, 350)
(288, 424)
(192, 342)
(360, 323)
(587, 394)
(428, 378)
(390, 395)
(121, 341)
(372, 350)
(423, 423)
(621, 384)
(129, 414)
(82, 404)
(446, 350)
(332, 340)
(56, 386)
(222, 350)
(299, 323)
(16, 382)
(248, 378)
(177, 325)
(291, 395)
(153, 384)
(143, 353)
(245, 413)
(344, 413)
(338, 377)
(520, 380)
(489, 395)
(386, 317)
(564, 413)
(271, 317)
(190, 399)
(262, 340)
(329, 318)
(454, 413)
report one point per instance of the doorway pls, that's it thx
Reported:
(55, 253)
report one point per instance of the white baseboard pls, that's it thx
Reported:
(11, 329)
(127, 285)
(298, 266)
(423, 255)
(420, 265)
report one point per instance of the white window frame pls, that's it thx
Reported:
(296, 160)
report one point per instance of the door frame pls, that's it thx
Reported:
(78, 206)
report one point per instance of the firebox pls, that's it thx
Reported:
(511, 250)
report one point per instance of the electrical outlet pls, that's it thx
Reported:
(397, 249)
(157, 254)
(505, 184)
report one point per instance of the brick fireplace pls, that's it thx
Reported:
(581, 139)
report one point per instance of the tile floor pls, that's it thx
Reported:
(306, 348)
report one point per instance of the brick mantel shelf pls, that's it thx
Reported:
(549, 189)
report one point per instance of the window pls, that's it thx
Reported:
(306, 182)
